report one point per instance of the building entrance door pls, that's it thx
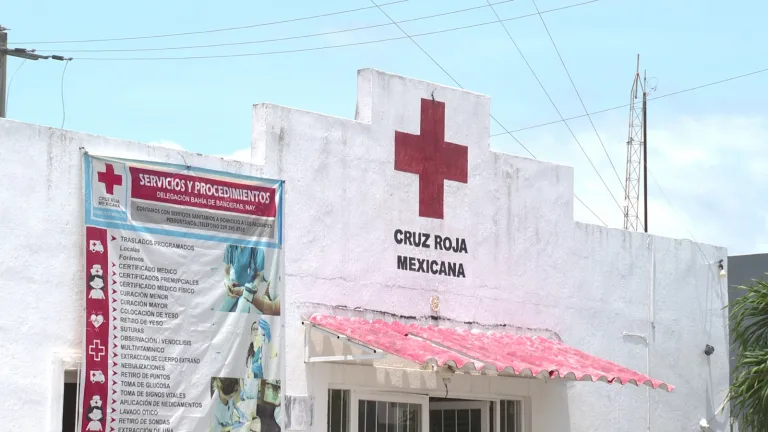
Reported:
(459, 416)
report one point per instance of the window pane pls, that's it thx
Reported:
(377, 416)
(370, 416)
(435, 421)
(415, 418)
(475, 424)
(492, 418)
(449, 420)
(511, 416)
(338, 412)
(462, 420)
(381, 417)
(361, 416)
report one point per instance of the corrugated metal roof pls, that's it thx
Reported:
(502, 353)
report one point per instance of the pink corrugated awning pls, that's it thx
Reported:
(502, 353)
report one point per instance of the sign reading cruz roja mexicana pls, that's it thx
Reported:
(434, 160)
(429, 241)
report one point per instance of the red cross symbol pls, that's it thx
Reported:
(430, 157)
(96, 350)
(109, 178)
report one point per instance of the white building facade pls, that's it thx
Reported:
(406, 216)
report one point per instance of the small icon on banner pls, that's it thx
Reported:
(96, 282)
(95, 246)
(109, 178)
(97, 376)
(96, 350)
(97, 320)
(95, 414)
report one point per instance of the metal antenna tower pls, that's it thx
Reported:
(636, 157)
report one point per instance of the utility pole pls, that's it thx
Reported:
(645, 150)
(636, 155)
(3, 68)
(27, 54)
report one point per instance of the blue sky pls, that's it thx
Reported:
(705, 147)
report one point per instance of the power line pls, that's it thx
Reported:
(259, 41)
(217, 30)
(23, 53)
(63, 108)
(650, 99)
(460, 86)
(10, 84)
(530, 68)
(264, 53)
(578, 95)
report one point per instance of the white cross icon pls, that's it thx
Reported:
(96, 350)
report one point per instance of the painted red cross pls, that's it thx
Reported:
(109, 178)
(96, 350)
(430, 157)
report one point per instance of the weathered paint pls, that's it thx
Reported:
(529, 265)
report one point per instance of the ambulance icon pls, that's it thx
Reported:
(97, 376)
(96, 246)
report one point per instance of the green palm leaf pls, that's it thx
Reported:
(749, 330)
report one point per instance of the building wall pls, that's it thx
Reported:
(41, 315)
(529, 265)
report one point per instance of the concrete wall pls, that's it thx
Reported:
(528, 263)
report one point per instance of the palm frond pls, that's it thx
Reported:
(749, 330)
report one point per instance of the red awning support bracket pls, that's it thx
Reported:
(368, 352)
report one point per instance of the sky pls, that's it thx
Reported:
(706, 152)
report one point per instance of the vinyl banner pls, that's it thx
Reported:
(183, 287)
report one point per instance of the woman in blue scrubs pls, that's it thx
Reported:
(260, 336)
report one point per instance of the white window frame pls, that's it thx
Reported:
(64, 366)
(357, 396)
(483, 406)
(371, 393)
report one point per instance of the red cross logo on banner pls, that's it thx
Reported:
(430, 157)
(109, 178)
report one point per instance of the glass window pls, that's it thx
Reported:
(338, 410)
(511, 416)
(381, 416)
(459, 416)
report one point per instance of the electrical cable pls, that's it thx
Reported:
(259, 41)
(63, 108)
(594, 128)
(210, 30)
(573, 134)
(649, 99)
(10, 84)
(330, 46)
(461, 87)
